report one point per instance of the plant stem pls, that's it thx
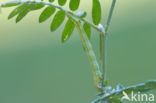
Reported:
(55, 6)
(92, 58)
(110, 16)
(103, 42)
(102, 56)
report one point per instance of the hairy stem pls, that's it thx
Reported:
(92, 58)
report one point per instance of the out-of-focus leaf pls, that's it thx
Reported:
(49, 11)
(23, 13)
(96, 12)
(58, 20)
(17, 11)
(11, 4)
(36, 6)
(27, 9)
(51, 0)
(87, 29)
(74, 4)
(61, 2)
(69, 28)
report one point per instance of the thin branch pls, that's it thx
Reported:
(55, 6)
(144, 87)
(110, 15)
(102, 42)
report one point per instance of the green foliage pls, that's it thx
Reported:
(24, 12)
(17, 11)
(87, 29)
(27, 6)
(51, 0)
(24, 7)
(47, 13)
(74, 4)
(96, 12)
(62, 2)
(27, 9)
(69, 28)
(36, 6)
(58, 20)
(15, 3)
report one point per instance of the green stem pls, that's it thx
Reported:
(92, 58)
(110, 16)
(102, 42)
(102, 56)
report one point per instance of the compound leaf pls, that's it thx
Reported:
(96, 12)
(58, 20)
(47, 13)
(87, 29)
(74, 4)
(62, 2)
(69, 28)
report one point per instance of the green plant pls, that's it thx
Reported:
(77, 20)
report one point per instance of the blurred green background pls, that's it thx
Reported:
(35, 67)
